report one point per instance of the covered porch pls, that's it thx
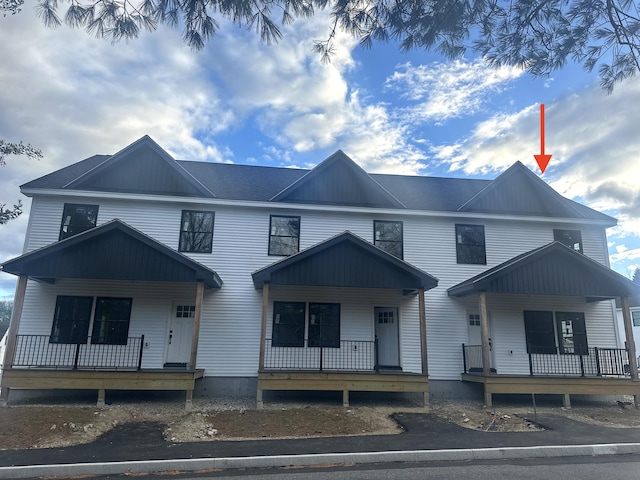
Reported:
(330, 321)
(69, 355)
(551, 329)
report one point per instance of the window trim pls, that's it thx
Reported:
(209, 246)
(275, 340)
(271, 217)
(401, 241)
(63, 235)
(459, 244)
(320, 341)
(635, 319)
(557, 235)
(554, 319)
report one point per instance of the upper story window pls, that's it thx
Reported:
(284, 235)
(388, 237)
(570, 238)
(196, 231)
(470, 246)
(77, 219)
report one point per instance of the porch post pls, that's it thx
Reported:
(263, 339)
(12, 334)
(423, 342)
(196, 325)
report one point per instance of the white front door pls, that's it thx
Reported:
(386, 320)
(475, 333)
(180, 334)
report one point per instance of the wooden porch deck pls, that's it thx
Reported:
(343, 381)
(560, 385)
(102, 380)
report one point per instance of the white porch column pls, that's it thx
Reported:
(12, 334)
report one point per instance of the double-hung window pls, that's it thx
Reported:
(77, 218)
(73, 316)
(570, 238)
(284, 235)
(568, 328)
(290, 324)
(71, 319)
(470, 246)
(196, 232)
(388, 237)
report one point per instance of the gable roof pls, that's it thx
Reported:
(338, 180)
(112, 251)
(519, 191)
(345, 260)
(142, 167)
(553, 269)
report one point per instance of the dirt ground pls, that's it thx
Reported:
(43, 423)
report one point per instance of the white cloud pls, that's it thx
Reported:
(446, 90)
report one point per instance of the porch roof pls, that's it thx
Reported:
(553, 269)
(112, 251)
(345, 260)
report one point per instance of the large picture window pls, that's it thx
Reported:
(111, 321)
(288, 324)
(470, 246)
(196, 232)
(388, 237)
(570, 238)
(324, 325)
(284, 235)
(77, 219)
(71, 319)
(569, 329)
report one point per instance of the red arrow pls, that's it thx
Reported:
(542, 159)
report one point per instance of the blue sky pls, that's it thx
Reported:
(239, 101)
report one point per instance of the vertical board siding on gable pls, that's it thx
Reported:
(150, 313)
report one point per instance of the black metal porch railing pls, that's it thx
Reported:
(352, 355)
(36, 351)
(594, 362)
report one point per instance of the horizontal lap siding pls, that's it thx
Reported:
(150, 313)
(230, 329)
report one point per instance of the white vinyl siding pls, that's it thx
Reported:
(231, 317)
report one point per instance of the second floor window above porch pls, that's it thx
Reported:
(388, 237)
(284, 235)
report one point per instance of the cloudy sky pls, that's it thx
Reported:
(239, 101)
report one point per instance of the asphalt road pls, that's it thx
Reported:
(615, 467)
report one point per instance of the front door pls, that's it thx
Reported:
(475, 336)
(386, 319)
(180, 335)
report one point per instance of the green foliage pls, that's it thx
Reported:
(8, 148)
(538, 35)
(6, 307)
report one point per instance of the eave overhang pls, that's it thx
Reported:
(553, 269)
(112, 251)
(345, 260)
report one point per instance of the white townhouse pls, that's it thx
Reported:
(141, 272)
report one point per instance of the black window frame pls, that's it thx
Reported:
(383, 243)
(635, 318)
(546, 328)
(569, 238)
(271, 251)
(323, 334)
(289, 324)
(116, 330)
(73, 330)
(188, 241)
(465, 246)
(72, 223)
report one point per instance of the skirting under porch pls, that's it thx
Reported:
(565, 386)
(345, 382)
(146, 379)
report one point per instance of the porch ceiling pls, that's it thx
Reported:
(345, 260)
(553, 269)
(112, 251)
